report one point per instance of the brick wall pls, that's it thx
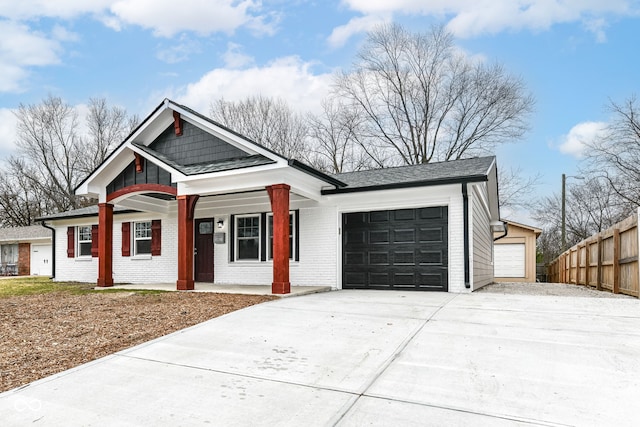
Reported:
(24, 259)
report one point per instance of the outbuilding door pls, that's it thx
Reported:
(40, 263)
(509, 260)
(403, 249)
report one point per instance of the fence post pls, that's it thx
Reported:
(599, 267)
(638, 250)
(616, 261)
(587, 263)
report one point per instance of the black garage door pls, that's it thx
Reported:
(400, 249)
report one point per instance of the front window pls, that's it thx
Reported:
(84, 241)
(142, 237)
(9, 254)
(248, 237)
(291, 236)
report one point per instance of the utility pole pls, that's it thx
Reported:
(564, 214)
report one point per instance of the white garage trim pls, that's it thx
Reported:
(510, 260)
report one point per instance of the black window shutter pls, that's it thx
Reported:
(296, 233)
(156, 237)
(264, 236)
(94, 240)
(232, 240)
(71, 242)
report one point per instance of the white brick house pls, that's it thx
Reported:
(184, 199)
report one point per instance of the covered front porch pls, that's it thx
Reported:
(209, 185)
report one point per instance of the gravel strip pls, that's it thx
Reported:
(552, 289)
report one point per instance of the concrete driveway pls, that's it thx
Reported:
(357, 358)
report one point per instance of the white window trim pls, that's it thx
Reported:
(237, 238)
(135, 239)
(78, 241)
(292, 220)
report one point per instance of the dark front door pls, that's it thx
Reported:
(395, 249)
(204, 250)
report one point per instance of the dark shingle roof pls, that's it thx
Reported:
(31, 232)
(83, 212)
(464, 170)
(218, 166)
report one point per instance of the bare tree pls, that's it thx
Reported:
(107, 127)
(591, 207)
(515, 189)
(333, 138)
(422, 100)
(615, 154)
(48, 140)
(269, 122)
(20, 200)
(53, 157)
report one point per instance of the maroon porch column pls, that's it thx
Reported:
(279, 196)
(105, 245)
(186, 208)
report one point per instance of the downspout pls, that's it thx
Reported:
(506, 231)
(465, 219)
(53, 249)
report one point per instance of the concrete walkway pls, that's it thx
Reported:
(356, 358)
(225, 289)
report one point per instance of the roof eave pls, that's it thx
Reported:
(413, 184)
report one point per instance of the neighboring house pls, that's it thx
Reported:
(515, 254)
(25, 251)
(186, 199)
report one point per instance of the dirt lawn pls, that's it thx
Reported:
(43, 334)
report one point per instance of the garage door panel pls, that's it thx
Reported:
(379, 216)
(432, 213)
(430, 258)
(353, 237)
(430, 235)
(354, 258)
(403, 249)
(379, 236)
(378, 258)
(404, 236)
(404, 258)
(404, 215)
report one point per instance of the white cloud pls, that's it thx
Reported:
(164, 18)
(288, 78)
(8, 123)
(340, 35)
(178, 50)
(66, 9)
(62, 34)
(579, 136)
(21, 49)
(234, 58)
(167, 18)
(471, 18)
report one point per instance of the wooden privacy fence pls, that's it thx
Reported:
(605, 261)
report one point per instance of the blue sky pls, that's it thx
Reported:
(574, 55)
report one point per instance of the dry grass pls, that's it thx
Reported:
(46, 328)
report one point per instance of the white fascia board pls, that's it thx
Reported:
(492, 191)
(398, 198)
(154, 126)
(106, 172)
(250, 180)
